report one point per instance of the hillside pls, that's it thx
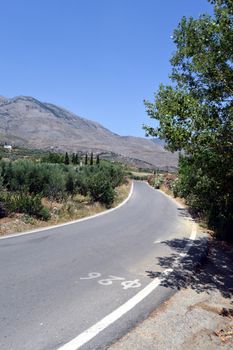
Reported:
(27, 122)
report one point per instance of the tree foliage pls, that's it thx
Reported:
(24, 203)
(195, 113)
(99, 181)
(24, 182)
(67, 159)
(53, 157)
(91, 159)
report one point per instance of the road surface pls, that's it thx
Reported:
(57, 283)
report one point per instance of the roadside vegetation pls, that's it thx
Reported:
(195, 115)
(56, 187)
(164, 181)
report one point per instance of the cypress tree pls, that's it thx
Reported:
(67, 160)
(73, 160)
(77, 160)
(86, 159)
(91, 159)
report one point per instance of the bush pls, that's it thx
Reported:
(28, 176)
(100, 189)
(114, 173)
(99, 181)
(3, 212)
(206, 193)
(158, 182)
(44, 214)
(81, 184)
(27, 181)
(55, 185)
(53, 157)
(23, 203)
(70, 184)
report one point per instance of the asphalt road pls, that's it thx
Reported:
(57, 283)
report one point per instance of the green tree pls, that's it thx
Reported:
(195, 114)
(77, 159)
(73, 159)
(97, 159)
(91, 159)
(86, 159)
(70, 184)
(67, 159)
(24, 203)
(100, 189)
(54, 184)
(53, 157)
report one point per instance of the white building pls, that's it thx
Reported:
(9, 147)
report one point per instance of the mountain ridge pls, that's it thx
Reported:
(28, 122)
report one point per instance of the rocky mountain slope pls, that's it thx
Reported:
(27, 122)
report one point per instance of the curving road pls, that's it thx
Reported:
(57, 283)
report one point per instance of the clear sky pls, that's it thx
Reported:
(97, 58)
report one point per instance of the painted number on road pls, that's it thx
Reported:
(110, 279)
(91, 275)
(131, 284)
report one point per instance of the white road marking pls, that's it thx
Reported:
(70, 222)
(108, 281)
(91, 332)
(91, 275)
(131, 284)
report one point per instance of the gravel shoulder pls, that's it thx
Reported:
(199, 316)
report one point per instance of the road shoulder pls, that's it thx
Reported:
(199, 316)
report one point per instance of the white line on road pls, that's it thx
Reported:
(91, 332)
(71, 222)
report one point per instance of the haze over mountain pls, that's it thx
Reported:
(27, 122)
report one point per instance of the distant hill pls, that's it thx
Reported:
(27, 122)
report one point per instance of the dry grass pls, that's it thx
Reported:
(72, 209)
(122, 193)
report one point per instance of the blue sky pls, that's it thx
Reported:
(97, 58)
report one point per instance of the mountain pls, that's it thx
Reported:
(27, 122)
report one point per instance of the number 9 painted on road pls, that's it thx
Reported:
(91, 276)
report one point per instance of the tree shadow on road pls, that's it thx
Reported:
(198, 270)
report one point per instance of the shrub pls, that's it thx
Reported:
(113, 172)
(23, 203)
(53, 180)
(70, 184)
(44, 214)
(206, 193)
(53, 157)
(3, 212)
(27, 181)
(81, 184)
(158, 182)
(100, 189)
